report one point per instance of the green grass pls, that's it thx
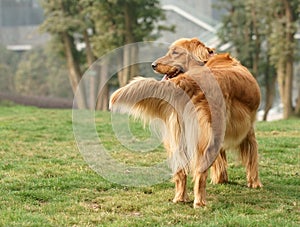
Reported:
(44, 180)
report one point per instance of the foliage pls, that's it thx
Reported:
(248, 22)
(263, 38)
(64, 16)
(8, 65)
(281, 28)
(110, 23)
(38, 72)
(41, 72)
(45, 181)
(245, 27)
(61, 16)
(101, 26)
(105, 21)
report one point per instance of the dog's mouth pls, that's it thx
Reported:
(173, 74)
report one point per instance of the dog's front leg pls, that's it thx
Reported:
(200, 189)
(180, 179)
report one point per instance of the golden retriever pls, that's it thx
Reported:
(207, 109)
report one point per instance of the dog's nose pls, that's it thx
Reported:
(154, 65)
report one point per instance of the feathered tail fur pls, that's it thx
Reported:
(184, 120)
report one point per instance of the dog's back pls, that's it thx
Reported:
(221, 60)
(235, 80)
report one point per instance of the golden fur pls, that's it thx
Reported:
(189, 105)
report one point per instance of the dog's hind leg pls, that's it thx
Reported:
(218, 170)
(249, 156)
(199, 188)
(205, 156)
(180, 179)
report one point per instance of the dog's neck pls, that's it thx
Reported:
(192, 63)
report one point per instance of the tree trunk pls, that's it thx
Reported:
(129, 18)
(285, 78)
(256, 57)
(270, 94)
(93, 79)
(103, 94)
(288, 88)
(130, 67)
(270, 79)
(126, 66)
(134, 68)
(74, 70)
(88, 49)
(280, 79)
(297, 107)
(289, 60)
(285, 64)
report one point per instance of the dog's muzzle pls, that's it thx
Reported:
(154, 65)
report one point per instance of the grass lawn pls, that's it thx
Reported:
(44, 180)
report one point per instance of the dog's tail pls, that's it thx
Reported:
(147, 98)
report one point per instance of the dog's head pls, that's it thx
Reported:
(179, 55)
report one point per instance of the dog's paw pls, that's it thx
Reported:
(181, 199)
(256, 184)
(198, 204)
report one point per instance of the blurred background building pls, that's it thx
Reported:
(20, 19)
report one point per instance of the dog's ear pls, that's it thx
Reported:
(195, 41)
(200, 51)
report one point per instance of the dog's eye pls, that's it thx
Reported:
(174, 52)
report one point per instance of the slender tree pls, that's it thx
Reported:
(62, 22)
(101, 26)
(263, 39)
(122, 22)
(244, 26)
(285, 14)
